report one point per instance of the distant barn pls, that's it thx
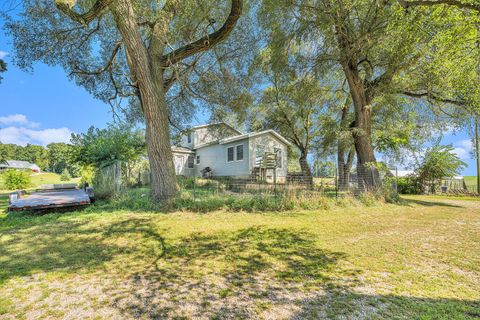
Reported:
(19, 165)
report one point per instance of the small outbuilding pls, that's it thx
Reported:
(19, 165)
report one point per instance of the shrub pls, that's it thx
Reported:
(367, 198)
(408, 185)
(65, 176)
(16, 179)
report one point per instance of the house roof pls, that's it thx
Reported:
(255, 134)
(181, 149)
(18, 164)
(215, 124)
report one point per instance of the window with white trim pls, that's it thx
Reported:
(189, 137)
(230, 154)
(239, 153)
(198, 159)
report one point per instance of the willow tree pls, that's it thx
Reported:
(458, 85)
(291, 101)
(375, 43)
(126, 49)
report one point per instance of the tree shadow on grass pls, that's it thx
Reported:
(410, 202)
(221, 275)
(30, 245)
(347, 304)
(260, 272)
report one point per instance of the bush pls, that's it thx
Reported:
(368, 199)
(65, 176)
(16, 179)
(408, 185)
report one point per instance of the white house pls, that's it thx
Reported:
(20, 165)
(228, 152)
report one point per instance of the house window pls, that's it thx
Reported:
(191, 162)
(278, 152)
(198, 159)
(239, 152)
(189, 137)
(230, 154)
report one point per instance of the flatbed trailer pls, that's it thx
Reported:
(50, 199)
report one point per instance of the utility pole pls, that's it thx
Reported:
(477, 149)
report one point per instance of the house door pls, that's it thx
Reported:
(179, 162)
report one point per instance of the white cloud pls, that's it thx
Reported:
(22, 136)
(3, 54)
(17, 119)
(463, 148)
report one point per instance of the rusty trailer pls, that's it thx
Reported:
(50, 198)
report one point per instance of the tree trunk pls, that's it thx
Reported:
(368, 176)
(344, 167)
(305, 167)
(149, 78)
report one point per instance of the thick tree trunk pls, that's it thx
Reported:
(304, 166)
(152, 95)
(368, 176)
(344, 167)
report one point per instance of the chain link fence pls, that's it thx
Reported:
(202, 181)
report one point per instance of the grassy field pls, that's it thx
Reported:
(417, 260)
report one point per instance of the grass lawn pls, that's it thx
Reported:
(418, 260)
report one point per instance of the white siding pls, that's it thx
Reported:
(270, 142)
(180, 161)
(215, 157)
(207, 134)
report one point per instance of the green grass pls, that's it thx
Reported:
(415, 260)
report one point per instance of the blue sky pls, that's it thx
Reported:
(44, 107)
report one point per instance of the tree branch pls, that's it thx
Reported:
(106, 67)
(433, 96)
(82, 18)
(208, 41)
(455, 3)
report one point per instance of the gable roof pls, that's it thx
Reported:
(214, 124)
(181, 149)
(255, 134)
(18, 164)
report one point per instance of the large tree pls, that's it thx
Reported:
(291, 102)
(458, 86)
(144, 46)
(375, 43)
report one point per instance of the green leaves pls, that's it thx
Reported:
(102, 147)
(440, 162)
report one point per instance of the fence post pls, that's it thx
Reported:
(194, 186)
(336, 180)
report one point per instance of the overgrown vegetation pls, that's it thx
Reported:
(16, 179)
(208, 198)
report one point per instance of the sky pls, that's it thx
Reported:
(45, 106)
